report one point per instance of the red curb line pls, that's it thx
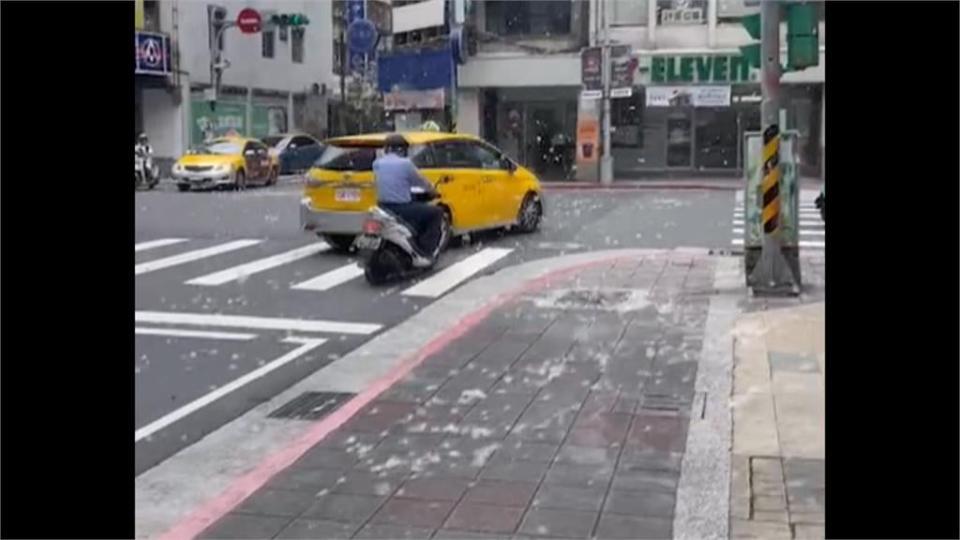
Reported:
(214, 509)
(705, 187)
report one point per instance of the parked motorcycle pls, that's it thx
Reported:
(145, 173)
(386, 247)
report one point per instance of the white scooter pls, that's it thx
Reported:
(386, 247)
(145, 173)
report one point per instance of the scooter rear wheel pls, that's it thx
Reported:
(385, 265)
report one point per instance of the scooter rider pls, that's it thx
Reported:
(395, 175)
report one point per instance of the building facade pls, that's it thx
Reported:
(272, 79)
(522, 89)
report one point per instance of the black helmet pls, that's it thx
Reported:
(396, 144)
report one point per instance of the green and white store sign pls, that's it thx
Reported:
(230, 118)
(707, 69)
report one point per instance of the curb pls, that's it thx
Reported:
(620, 186)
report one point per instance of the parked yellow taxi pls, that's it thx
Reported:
(480, 188)
(226, 161)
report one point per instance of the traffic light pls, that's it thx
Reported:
(289, 19)
(803, 35)
(751, 52)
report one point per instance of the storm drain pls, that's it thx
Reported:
(663, 403)
(311, 405)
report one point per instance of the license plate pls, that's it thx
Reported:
(348, 195)
(367, 242)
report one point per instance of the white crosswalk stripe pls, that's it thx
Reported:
(143, 246)
(453, 275)
(331, 279)
(259, 323)
(247, 269)
(456, 267)
(811, 227)
(191, 256)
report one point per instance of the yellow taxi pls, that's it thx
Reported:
(480, 187)
(226, 162)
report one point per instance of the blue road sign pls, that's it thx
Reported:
(151, 53)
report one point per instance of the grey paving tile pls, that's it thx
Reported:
(413, 513)
(240, 526)
(521, 471)
(615, 526)
(311, 480)
(558, 523)
(629, 479)
(326, 458)
(344, 508)
(307, 529)
(484, 518)
(579, 475)
(570, 498)
(640, 503)
(641, 458)
(500, 493)
(444, 534)
(392, 532)
(282, 503)
(586, 455)
(519, 450)
(434, 489)
(379, 483)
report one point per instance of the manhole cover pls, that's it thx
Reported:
(311, 405)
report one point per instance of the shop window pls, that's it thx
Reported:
(716, 139)
(528, 17)
(151, 16)
(626, 115)
(267, 44)
(628, 12)
(296, 45)
(681, 12)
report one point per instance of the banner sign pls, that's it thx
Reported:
(622, 65)
(413, 99)
(356, 59)
(687, 96)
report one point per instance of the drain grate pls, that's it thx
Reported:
(663, 403)
(311, 405)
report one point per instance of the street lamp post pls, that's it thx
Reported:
(606, 159)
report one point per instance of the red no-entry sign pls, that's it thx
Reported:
(249, 21)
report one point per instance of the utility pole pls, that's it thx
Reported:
(606, 160)
(772, 275)
(343, 74)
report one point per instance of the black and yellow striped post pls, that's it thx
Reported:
(772, 275)
(770, 185)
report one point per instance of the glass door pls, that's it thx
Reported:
(680, 138)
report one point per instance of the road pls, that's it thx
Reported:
(234, 303)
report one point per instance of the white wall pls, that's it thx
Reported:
(522, 70)
(468, 111)
(162, 122)
(420, 15)
(247, 66)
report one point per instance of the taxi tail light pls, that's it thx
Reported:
(372, 226)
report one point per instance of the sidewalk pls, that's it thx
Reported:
(778, 484)
(591, 402)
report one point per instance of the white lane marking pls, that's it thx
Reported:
(803, 232)
(802, 223)
(143, 246)
(190, 256)
(447, 279)
(260, 323)
(306, 345)
(176, 332)
(803, 243)
(244, 270)
(331, 279)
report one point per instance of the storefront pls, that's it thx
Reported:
(688, 115)
(534, 125)
(267, 115)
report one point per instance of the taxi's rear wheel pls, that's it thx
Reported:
(531, 213)
(446, 234)
(340, 242)
(273, 177)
